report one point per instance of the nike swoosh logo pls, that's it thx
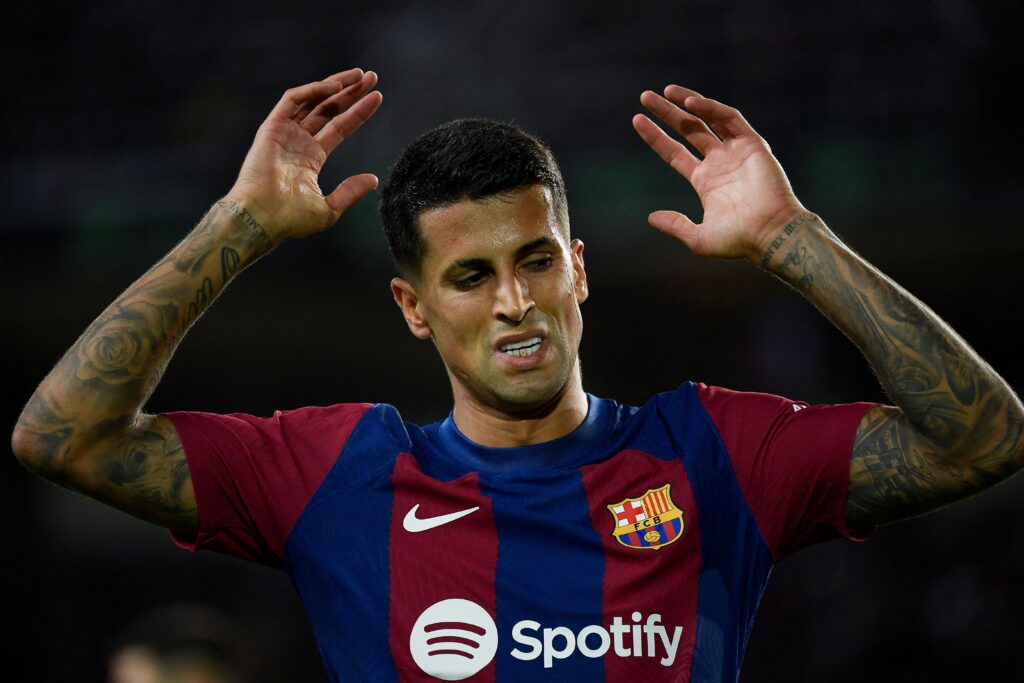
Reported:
(417, 524)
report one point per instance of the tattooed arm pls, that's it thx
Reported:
(84, 427)
(957, 427)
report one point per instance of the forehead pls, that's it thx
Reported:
(489, 227)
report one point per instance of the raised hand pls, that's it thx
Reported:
(743, 189)
(278, 179)
(84, 427)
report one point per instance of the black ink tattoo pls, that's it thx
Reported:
(781, 238)
(247, 219)
(800, 260)
(958, 428)
(204, 295)
(229, 261)
(151, 467)
(44, 421)
(83, 428)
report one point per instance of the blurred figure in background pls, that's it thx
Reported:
(177, 644)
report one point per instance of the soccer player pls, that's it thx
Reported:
(538, 532)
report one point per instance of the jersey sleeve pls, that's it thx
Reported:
(254, 475)
(792, 462)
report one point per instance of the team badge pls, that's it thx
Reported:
(648, 521)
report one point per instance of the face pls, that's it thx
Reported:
(499, 293)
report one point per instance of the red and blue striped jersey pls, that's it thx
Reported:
(635, 547)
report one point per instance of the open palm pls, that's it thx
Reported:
(743, 189)
(280, 173)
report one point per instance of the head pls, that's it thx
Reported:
(179, 644)
(476, 217)
(466, 159)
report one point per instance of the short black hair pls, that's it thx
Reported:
(469, 158)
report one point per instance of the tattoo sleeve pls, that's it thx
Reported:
(84, 427)
(957, 427)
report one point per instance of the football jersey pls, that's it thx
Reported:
(636, 547)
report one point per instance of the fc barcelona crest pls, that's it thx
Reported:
(649, 521)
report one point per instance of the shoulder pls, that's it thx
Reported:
(306, 424)
(366, 426)
(749, 419)
(758, 407)
(675, 414)
(303, 415)
(709, 395)
(716, 398)
(694, 401)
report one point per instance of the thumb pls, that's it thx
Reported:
(676, 225)
(350, 191)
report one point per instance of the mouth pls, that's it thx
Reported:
(526, 347)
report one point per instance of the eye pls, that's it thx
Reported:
(471, 280)
(540, 264)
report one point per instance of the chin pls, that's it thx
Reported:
(530, 401)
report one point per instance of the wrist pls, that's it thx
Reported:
(249, 218)
(774, 243)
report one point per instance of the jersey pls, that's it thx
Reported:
(636, 547)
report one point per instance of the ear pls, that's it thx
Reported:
(579, 272)
(407, 299)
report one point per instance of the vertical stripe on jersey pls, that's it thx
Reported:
(450, 561)
(662, 580)
(736, 560)
(550, 573)
(348, 517)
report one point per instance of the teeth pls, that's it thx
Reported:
(523, 348)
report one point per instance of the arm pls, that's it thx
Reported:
(957, 427)
(84, 427)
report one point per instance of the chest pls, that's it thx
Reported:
(569, 575)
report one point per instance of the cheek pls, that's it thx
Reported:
(459, 327)
(570, 318)
(572, 305)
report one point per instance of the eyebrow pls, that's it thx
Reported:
(530, 246)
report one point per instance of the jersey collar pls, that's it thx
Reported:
(572, 450)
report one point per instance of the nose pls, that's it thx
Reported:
(512, 300)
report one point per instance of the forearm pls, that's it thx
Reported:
(953, 398)
(103, 381)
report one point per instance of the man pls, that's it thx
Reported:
(539, 532)
(178, 644)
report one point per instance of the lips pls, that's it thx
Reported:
(520, 344)
(522, 351)
(518, 339)
(527, 347)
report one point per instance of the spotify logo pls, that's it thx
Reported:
(453, 639)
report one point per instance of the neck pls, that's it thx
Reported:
(489, 426)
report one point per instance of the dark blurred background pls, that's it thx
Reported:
(124, 121)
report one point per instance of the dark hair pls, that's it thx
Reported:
(461, 159)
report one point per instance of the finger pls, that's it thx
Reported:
(676, 225)
(338, 103)
(346, 78)
(348, 122)
(678, 94)
(351, 190)
(723, 119)
(671, 151)
(296, 100)
(689, 126)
